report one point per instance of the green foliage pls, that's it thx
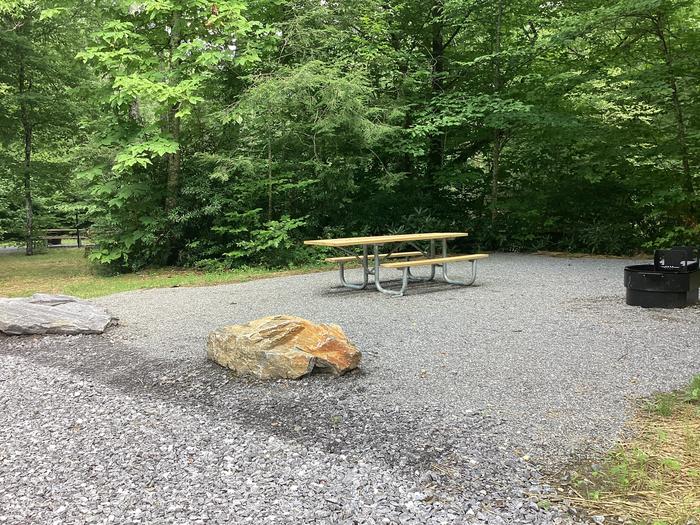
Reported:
(270, 245)
(222, 134)
(159, 59)
(693, 391)
(663, 404)
(42, 111)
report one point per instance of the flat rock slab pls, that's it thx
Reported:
(282, 346)
(52, 314)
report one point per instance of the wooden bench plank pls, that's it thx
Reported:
(438, 260)
(371, 256)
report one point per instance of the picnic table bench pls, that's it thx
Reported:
(388, 258)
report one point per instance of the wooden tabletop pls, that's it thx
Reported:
(382, 239)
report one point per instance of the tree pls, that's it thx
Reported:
(159, 59)
(635, 64)
(37, 114)
(221, 141)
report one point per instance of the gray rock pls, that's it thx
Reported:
(52, 314)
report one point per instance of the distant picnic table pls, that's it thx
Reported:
(386, 258)
(56, 236)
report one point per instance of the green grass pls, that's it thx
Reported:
(662, 404)
(67, 271)
(653, 479)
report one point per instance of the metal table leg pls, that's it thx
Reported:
(378, 284)
(429, 255)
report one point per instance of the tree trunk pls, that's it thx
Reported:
(173, 183)
(496, 147)
(497, 143)
(269, 177)
(405, 161)
(687, 182)
(25, 87)
(436, 140)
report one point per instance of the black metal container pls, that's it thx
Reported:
(671, 282)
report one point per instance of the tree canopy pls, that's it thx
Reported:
(222, 133)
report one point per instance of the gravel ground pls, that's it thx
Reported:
(466, 401)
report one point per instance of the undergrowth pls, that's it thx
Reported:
(654, 478)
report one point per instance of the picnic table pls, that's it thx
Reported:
(423, 254)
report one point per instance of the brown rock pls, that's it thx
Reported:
(282, 346)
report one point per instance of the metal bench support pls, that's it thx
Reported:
(365, 272)
(468, 282)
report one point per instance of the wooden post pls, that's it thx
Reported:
(77, 229)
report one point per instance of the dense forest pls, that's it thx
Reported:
(220, 133)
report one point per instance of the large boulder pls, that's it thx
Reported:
(52, 314)
(282, 346)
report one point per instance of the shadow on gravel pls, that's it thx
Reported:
(336, 415)
(414, 288)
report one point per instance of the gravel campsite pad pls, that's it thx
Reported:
(466, 400)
